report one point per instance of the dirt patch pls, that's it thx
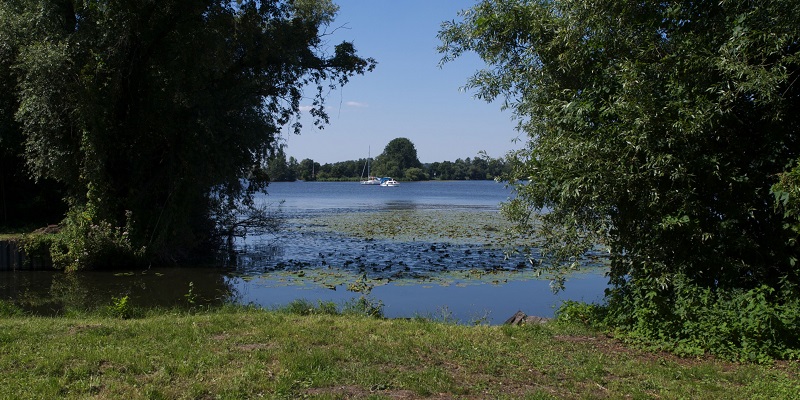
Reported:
(255, 346)
(356, 392)
(611, 346)
(83, 328)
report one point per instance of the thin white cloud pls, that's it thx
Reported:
(306, 108)
(356, 104)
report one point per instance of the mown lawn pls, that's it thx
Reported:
(237, 352)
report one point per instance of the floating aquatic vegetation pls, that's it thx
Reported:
(443, 247)
(444, 226)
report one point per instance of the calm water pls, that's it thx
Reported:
(325, 197)
(453, 275)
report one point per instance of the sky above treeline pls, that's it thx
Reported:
(408, 95)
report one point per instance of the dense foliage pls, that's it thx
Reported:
(401, 154)
(478, 168)
(657, 130)
(22, 201)
(150, 113)
(398, 156)
(279, 169)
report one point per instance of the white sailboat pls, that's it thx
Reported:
(371, 180)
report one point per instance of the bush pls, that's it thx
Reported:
(37, 248)
(572, 311)
(366, 306)
(9, 309)
(755, 325)
(87, 242)
(121, 308)
(305, 307)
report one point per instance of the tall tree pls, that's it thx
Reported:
(151, 112)
(23, 201)
(279, 169)
(307, 169)
(655, 129)
(398, 156)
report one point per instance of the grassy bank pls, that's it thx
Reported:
(249, 353)
(10, 236)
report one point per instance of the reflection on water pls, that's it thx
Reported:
(489, 299)
(430, 249)
(397, 205)
(465, 300)
(52, 292)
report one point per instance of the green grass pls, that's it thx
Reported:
(236, 352)
(10, 236)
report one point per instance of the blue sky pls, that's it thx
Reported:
(408, 95)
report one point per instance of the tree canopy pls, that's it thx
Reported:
(398, 156)
(150, 113)
(478, 168)
(655, 130)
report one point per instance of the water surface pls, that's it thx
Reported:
(431, 249)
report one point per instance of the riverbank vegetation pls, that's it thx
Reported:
(665, 132)
(316, 351)
(477, 168)
(398, 160)
(153, 121)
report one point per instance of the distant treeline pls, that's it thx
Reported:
(478, 168)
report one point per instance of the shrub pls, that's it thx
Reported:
(572, 311)
(88, 242)
(37, 248)
(755, 325)
(305, 307)
(121, 308)
(9, 309)
(365, 305)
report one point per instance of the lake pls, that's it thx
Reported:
(432, 249)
